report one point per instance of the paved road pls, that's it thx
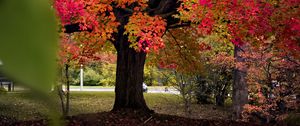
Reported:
(150, 90)
(170, 91)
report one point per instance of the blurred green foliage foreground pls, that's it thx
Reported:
(28, 44)
(28, 39)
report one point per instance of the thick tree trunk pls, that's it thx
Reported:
(129, 77)
(240, 88)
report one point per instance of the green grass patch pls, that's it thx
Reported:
(22, 107)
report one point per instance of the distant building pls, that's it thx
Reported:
(4, 81)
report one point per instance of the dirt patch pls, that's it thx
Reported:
(132, 118)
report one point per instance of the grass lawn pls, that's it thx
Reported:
(21, 107)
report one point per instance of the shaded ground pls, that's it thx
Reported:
(132, 119)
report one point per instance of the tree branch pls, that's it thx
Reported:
(166, 15)
(71, 28)
(179, 25)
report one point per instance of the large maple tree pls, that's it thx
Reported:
(133, 27)
(136, 27)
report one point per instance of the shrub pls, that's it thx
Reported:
(107, 74)
(3, 90)
(228, 102)
(153, 76)
(91, 77)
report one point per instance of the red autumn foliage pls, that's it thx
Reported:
(255, 23)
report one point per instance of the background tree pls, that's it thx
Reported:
(219, 63)
(73, 54)
(246, 23)
(273, 84)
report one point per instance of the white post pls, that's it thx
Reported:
(81, 77)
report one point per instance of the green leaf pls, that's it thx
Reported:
(28, 42)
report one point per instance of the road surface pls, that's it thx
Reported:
(150, 90)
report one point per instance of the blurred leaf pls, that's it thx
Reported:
(28, 42)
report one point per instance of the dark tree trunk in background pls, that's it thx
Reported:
(221, 97)
(220, 100)
(68, 90)
(223, 87)
(240, 88)
(203, 91)
(61, 98)
(65, 106)
(298, 101)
